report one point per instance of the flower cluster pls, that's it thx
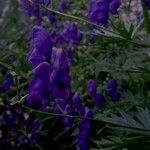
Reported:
(113, 90)
(98, 11)
(18, 129)
(92, 91)
(52, 82)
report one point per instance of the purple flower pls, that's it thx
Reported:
(68, 121)
(32, 9)
(41, 46)
(99, 99)
(60, 81)
(41, 40)
(85, 130)
(7, 83)
(112, 84)
(92, 91)
(98, 11)
(71, 33)
(61, 107)
(113, 90)
(39, 86)
(77, 103)
(60, 84)
(114, 5)
(59, 59)
(92, 87)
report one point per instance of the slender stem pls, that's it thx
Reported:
(79, 19)
(100, 119)
(146, 16)
(54, 114)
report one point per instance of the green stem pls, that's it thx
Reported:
(79, 19)
(100, 119)
(146, 16)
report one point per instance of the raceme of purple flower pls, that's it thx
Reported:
(98, 11)
(60, 81)
(92, 91)
(113, 90)
(7, 83)
(51, 73)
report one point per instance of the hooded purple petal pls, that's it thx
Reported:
(41, 41)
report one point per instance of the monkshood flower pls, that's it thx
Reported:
(85, 129)
(7, 83)
(92, 91)
(71, 33)
(92, 87)
(113, 90)
(60, 81)
(99, 99)
(41, 46)
(63, 108)
(17, 127)
(98, 11)
(38, 92)
(114, 6)
(77, 103)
